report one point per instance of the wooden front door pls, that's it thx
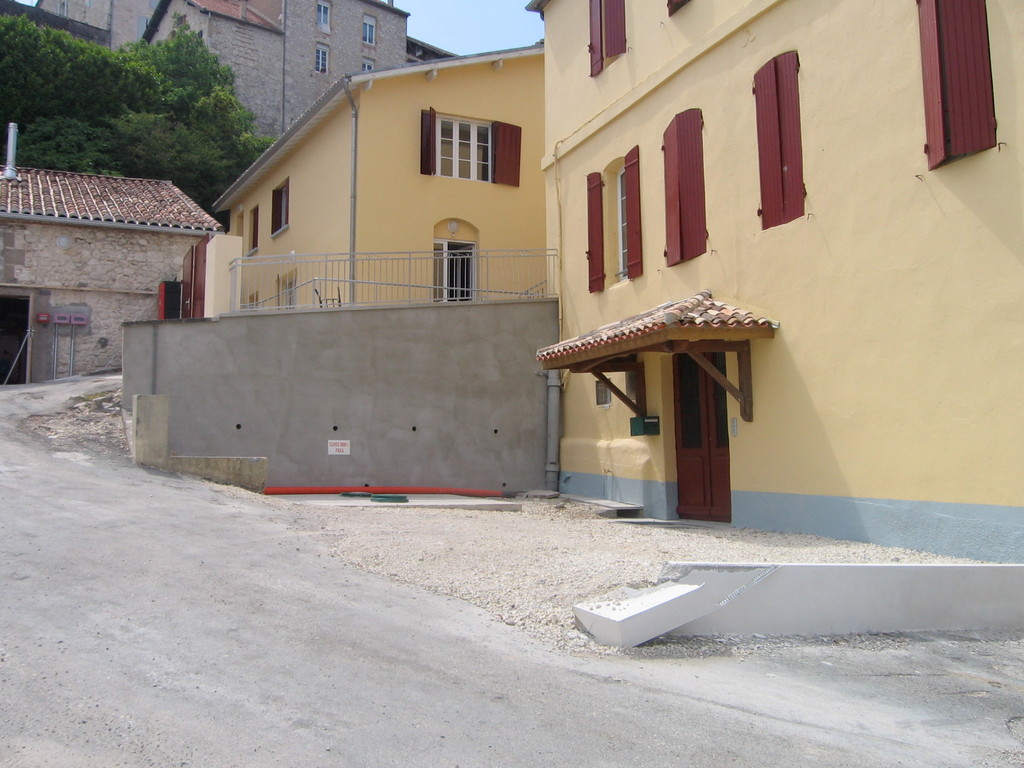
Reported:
(702, 442)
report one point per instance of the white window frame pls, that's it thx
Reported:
(368, 65)
(322, 59)
(621, 238)
(369, 29)
(323, 16)
(456, 270)
(478, 165)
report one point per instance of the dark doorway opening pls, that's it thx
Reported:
(14, 327)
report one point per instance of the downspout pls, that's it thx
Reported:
(554, 414)
(353, 176)
(284, 62)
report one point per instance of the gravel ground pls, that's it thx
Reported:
(525, 568)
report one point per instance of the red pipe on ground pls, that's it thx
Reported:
(324, 490)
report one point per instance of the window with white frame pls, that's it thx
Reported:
(464, 149)
(368, 65)
(322, 58)
(621, 240)
(369, 30)
(455, 270)
(323, 16)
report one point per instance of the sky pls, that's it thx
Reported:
(473, 26)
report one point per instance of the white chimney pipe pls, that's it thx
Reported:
(10, 172)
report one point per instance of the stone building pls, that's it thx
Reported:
(79, 255)
(42, 18)
(284, 53)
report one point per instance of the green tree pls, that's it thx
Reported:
(166, 110)
(68, 144)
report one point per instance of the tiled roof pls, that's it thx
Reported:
(233, 9)
(112, 199)
(699, 312)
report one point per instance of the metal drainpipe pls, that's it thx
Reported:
(284, 63)
(352, 198)
(551, 468)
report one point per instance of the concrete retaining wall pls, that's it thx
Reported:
(419, 396)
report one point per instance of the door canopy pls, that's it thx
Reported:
(692, 326)
(667, 328)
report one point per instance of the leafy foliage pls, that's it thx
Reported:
(166, 110)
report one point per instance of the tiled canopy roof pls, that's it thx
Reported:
(111, 199)
(698, 317)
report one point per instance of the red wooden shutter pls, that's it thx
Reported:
(957, 74)
(596, 38)
(686, 233)
(614, 27)
(931, 63)
(787, 66)
(428, 142)
(769, 148)
(634, 230)
(188, 269)
(508, 141)
(779, 145)
(198, 292)
(971, 108)
(595, 232)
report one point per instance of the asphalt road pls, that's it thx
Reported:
(151, 620)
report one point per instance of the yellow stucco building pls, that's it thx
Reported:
(429, 174)
(824, 199)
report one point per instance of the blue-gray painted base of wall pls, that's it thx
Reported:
(658, 499)
(978, 531)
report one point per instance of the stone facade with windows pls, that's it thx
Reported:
(284, 53)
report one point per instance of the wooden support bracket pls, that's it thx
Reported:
(634, 407)
(744, 393)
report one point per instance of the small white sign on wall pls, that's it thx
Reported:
(339, 447)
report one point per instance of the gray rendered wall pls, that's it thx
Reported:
(439, 396)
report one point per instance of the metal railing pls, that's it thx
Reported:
(333, 280)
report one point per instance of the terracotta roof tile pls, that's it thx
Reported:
(233, 9)
(698, 311)
(112, 199)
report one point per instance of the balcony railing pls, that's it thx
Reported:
(333, 280)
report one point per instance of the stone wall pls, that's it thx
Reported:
(90, 27)
(109, 274)
(254, 54)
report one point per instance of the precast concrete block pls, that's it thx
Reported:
(628, 617)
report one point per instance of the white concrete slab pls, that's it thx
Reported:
(809, 599)
(628, 617)
(801, 599)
